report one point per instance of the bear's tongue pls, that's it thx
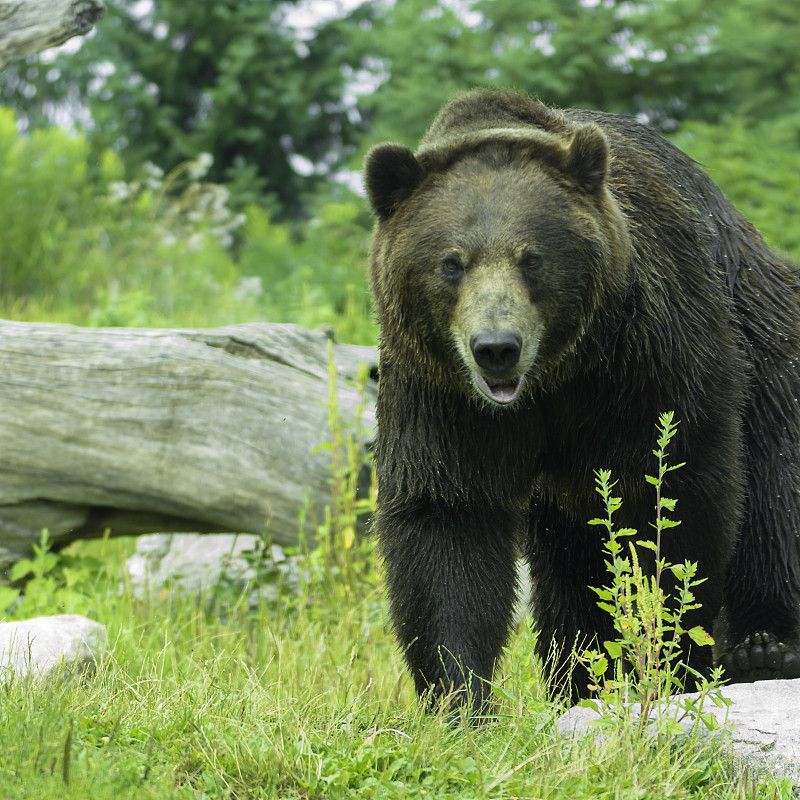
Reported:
(502, 392)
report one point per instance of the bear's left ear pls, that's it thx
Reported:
(391, 173)
(587, 157)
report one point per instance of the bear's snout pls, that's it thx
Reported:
(496, 352)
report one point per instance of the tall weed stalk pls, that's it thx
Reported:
(643, 663)
(343, 558)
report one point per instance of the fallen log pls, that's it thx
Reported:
(150, 430)
(28, 26)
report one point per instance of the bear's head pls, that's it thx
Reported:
(493, 249)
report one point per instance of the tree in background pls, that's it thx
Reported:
(753, 64)
(281, 110)
(226, 77)
(620, 57)
(660, 60)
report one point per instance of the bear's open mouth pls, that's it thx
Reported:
(500, 392)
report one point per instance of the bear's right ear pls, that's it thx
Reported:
(588, 157)
(391, 173)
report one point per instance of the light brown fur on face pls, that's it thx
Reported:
(494, 298)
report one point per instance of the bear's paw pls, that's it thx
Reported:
(761, 657)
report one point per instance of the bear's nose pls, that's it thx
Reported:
(496, 351)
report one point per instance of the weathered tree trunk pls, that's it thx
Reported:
(28, 26)
(143, 430)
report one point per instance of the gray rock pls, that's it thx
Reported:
(47, 646)
(762, 723)
(196, 564)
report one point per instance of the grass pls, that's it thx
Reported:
(302, 698)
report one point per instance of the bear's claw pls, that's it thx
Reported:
(761, 657)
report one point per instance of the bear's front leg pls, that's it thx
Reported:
(452, 582)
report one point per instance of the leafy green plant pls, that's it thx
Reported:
(53, 582)
(171, 234)
(312, 273)
(158, 250)
(81, 245)
(643, 663)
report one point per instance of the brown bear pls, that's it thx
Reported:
(546, 284)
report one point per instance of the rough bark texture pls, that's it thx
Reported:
(144, 430)
(29, 26)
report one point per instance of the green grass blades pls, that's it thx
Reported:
(302, 697)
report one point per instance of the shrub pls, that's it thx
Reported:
(757, 168)
(644, 661)
(103, 251)
(314, 273)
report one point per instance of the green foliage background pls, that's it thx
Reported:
(121, 218)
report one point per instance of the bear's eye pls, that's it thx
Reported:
(452, 264)
(530, 259)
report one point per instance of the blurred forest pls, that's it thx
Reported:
(196, 164)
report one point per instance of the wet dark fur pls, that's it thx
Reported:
(703, 320)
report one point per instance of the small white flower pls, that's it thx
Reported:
(118, 191)
(150, 170)
(200, 166)
(195, 242)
